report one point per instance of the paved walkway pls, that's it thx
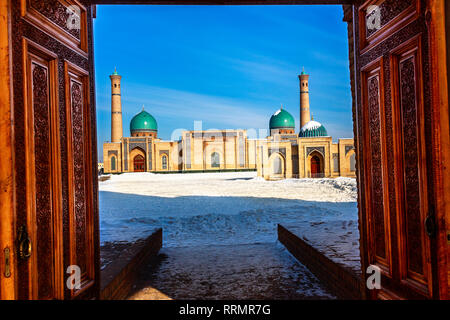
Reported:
(258, 271)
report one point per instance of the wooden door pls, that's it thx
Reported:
(315, 166)
(399, 181)
(54, 147)
(139, 163)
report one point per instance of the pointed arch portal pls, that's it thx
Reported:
(316, 165)
(215, 160)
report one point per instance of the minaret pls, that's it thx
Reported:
(116, 108)
(304, 98)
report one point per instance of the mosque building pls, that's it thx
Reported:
(283, 154)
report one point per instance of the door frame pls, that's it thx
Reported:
(440, 92)
(8, 289)
(440, 140)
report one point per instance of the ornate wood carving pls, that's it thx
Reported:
(411, 152)
(56, 12)
(388, 9)
(377, 201)
(375, 186)
(36, 38)
(42, 173)
(79, 172)
(42, 163)
(381, 18)
(79, 176)
(66, 20)
(413, 184)
(397, 47)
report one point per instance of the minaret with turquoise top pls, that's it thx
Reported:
(305, 116)
(116, 108)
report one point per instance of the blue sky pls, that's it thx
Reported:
(229, 66)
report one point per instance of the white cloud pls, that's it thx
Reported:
(265, 69)
(166, 102)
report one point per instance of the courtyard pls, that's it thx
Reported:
(219, 231)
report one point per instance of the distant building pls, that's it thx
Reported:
(283, 154)
(310, 154)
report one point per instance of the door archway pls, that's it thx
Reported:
(316, 167)
(276, 166)
(138, 163)
(164, 162)
(215, 160)
(113, 163)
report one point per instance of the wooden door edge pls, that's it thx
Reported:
(7, 209)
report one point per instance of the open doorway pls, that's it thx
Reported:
(400, 113)
(223, 123)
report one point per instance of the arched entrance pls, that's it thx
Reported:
(277, 166)
(164, 162)
(139, 163)
(113, 163)
(316, 165)
(215, 160)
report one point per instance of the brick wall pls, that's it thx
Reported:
(341, 281)
(118, 277)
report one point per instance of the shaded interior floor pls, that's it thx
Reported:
(256, 271)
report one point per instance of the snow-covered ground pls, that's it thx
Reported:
(218, 208)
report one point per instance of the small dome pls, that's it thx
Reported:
(313, 129)
(143, 121)
(282, 119)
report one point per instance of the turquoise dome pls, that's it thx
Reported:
(282, 119)
(143, 121)
(313, 129)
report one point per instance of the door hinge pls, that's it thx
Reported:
(7, 255)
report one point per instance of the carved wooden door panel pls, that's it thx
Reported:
(395, 147)
(54, 150)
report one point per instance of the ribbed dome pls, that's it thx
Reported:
(282, 119)
(313, 129)
(143, 121)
